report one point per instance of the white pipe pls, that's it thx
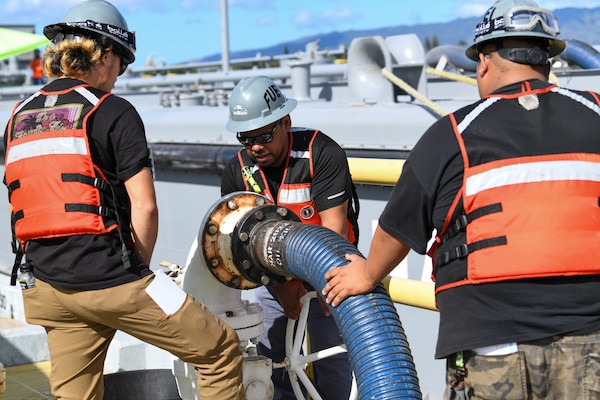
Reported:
(224, 37)
(317, 70)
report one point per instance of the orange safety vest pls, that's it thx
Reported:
(510, 219)
(36, 68)
(55, 189)
(295, 189)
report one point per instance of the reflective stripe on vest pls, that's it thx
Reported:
(295, 189)
(533, 194)
(54, 187)
(46, 147)
(514, 220)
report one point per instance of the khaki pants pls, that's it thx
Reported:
(557, 368)
(81, 325)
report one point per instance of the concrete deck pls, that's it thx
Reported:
(27, 382)
(24, 353)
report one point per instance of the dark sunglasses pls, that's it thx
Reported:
(117, 52)
(263, 138)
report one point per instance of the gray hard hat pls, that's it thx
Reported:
(256, 102)
(517, 18)
(99, 17)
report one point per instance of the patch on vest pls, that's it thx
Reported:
(529, 102)
(307, 212)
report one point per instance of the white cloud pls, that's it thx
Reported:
(325, 18)
(251, 4)
(473, 9)
(267, 21)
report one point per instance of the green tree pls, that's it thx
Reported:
(431, 43)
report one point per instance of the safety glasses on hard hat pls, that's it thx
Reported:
(525, 18)
(521, 18)
(263, 138)
(104, 29)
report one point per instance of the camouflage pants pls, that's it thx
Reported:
(562, 367)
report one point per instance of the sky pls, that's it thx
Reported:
(172, 31)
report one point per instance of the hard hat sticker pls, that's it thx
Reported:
(239, 110)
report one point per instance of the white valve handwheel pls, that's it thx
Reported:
(296, 362)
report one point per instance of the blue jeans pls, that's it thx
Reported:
(332, 376)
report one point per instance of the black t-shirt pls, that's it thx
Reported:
(473, 316)
(87, 262)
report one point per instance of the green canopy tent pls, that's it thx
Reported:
(14, 43)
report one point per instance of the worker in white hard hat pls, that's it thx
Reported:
(510, 186)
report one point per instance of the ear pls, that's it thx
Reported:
(105, 59)
(483, 66)
(286, 122)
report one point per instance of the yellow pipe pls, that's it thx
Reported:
(375, 171)
(452, 76)
(471, 81)
(412, 92)
(411, 292)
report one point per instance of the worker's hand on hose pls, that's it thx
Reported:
(289, 294)
(348, 280)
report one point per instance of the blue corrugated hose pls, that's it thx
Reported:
(375, 340)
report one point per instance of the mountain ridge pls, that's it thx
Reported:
(575, 23)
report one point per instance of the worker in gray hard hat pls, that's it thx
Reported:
(509, 184)
(85, 217)
(99, 20)
(307, 172)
